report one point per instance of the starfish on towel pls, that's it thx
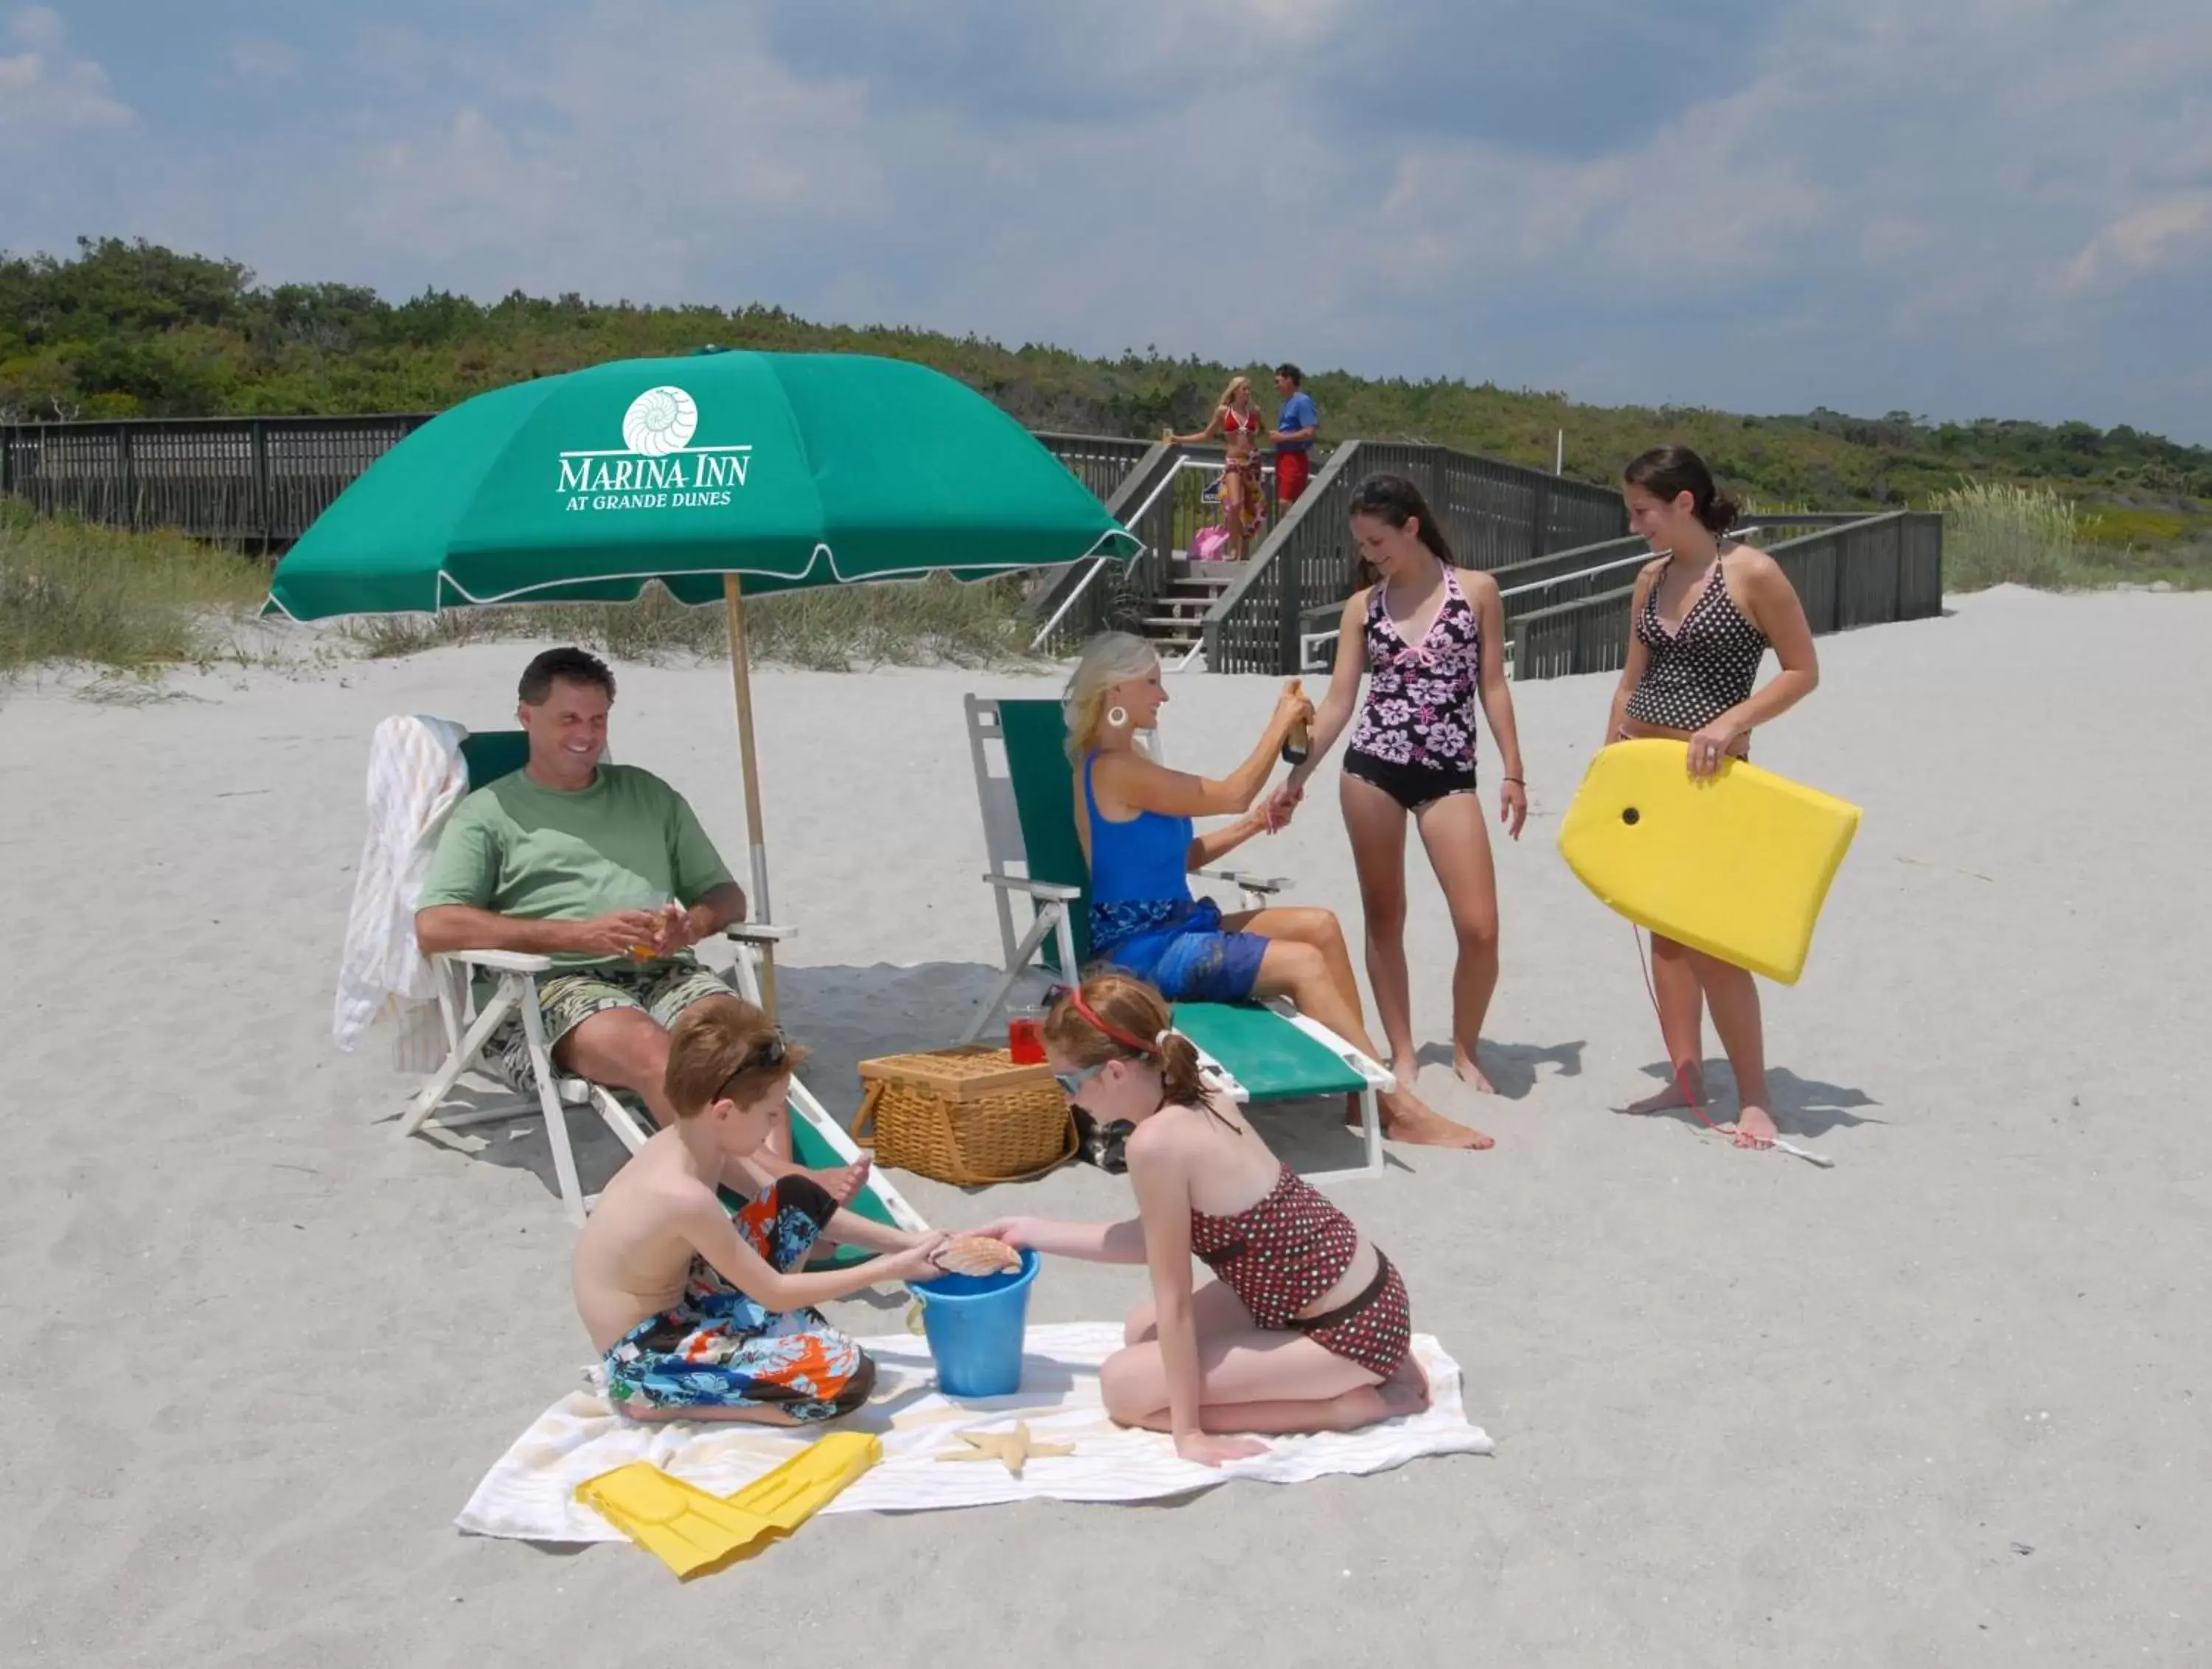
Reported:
(1014, 1447)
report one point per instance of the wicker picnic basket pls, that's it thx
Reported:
(965, 1115)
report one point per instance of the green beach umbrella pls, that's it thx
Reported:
(721, 474)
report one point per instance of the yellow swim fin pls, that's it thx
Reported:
(691, 1531)
(802, 1485)
(688, 1529)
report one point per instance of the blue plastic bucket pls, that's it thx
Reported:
(974, 1324)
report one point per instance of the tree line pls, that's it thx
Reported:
(125, 328)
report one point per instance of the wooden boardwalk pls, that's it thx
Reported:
(257, 482)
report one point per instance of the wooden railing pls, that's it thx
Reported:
(1099, 462)
(1165, 501)
(1073, 602)
(248, 480)
(1494, 515)
(1567, 575)
(1863, 572)
(259, 482)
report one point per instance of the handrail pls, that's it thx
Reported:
(1309, 640)
(1580, 573)
(1284, 529)
(1643, 553)
(1313, 611)
(1064, 602)
(1052, 595)
(1497, 514)
(1100, 563)
(1864, 570)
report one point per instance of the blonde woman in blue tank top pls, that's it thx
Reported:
(1705, 611)
(1134, 817)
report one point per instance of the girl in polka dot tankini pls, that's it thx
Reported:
(1692, 680)
(1304, 1328)
(1701, 669)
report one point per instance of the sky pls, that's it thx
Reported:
(1952, 208)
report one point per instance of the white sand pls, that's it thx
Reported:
(258, 1351)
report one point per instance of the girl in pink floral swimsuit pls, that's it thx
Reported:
(1432, 633)
(1415, 738)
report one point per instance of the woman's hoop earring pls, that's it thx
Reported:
(1118, 717)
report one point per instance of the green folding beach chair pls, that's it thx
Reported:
(1259, 1052)
(816, 1139)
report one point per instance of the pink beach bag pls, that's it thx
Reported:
(1210, 544)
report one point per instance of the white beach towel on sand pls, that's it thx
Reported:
(531, 1493)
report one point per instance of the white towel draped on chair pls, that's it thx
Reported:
(415, 777)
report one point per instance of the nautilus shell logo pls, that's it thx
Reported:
(660, 421)
(658, 466)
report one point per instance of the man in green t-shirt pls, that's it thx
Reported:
(603, 868)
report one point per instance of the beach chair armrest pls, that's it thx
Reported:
(756, 932)
(1052, 891)
(1246, 879)
(522, 961)
(501, 961)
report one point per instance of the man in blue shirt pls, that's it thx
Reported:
(1294, 435)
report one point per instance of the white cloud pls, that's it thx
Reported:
(1870, 204)
(2154, 236)
(260, 61)
(599, 162)
(45, 88)
(1286, 21)
(38, 27)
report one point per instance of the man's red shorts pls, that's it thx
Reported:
(1290, 474)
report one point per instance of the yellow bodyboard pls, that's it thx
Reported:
(1736, 867)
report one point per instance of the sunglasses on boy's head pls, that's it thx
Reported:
(761, 1056)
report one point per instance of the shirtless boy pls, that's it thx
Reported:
(699, 1312)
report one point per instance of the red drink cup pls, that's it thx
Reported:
(1025, 1039)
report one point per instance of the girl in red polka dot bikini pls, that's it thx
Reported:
(1305, 1327)
(1705, 614)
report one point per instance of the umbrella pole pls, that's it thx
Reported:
(742, 686)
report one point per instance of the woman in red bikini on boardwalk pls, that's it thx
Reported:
(1305, 1327)
(1243, 497)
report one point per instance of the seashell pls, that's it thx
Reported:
(660, 420)
(978, 1255)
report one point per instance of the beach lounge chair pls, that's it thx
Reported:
(1259, 1052)
(816, 1139)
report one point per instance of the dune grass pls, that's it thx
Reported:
(933, 620)
(1998, 533)
(75, 594)
(2135, 546)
